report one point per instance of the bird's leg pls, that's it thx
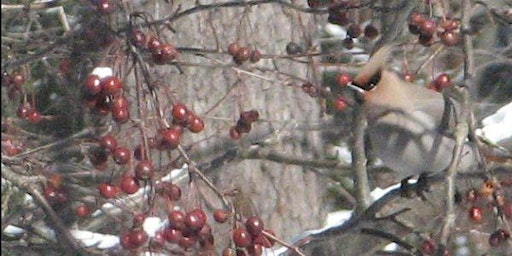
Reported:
(405, 188)
(422, 186)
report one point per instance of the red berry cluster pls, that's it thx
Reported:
(105, 95)
(427, 28)
(182, 118)
(186, 229)
(489, 196)
(244, 123)
(442, 81)
(242, 54)
(134, 238)
(161, 53)
(14, 83)
(340, 14)
(340, 103)
(250, 239)
(11, 147)
(55, 193)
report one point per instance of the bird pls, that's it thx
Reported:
(410, 127)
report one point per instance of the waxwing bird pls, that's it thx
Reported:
(409, 126)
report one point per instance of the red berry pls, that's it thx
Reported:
(180, 112)
(176, 220)
(34, 116)
(220, 215)
(417, 18)
(106, 6)
(108, 142)
(409, 77)
(428, 27)
(428, 247)
(129, 184)
(138, 38)
(354, 30)
(241, 237)
(370, 31)
(255, 250)
(255, 56)
(120, 101)
(120, 115)
(233, 49)
(340, 104)
(450, 25)
(475, 214)
(144, 170)
(23, 111)
(111, 85)
(164, 54)
(450, 38)
(121, 155)
(93, 84)
(138, 237)
(263, 240)
(171, 190)
(195, 219)
(171, 136)
(343, 79)
(348, 43)
(234, 133)
(186, 242)
(243, 54)
(154, 44)
(82, 211)
(254, 225)
(124, 240)
(172, 235)
(195, 124)
(107, 190)
(138, 219)
(443, 81)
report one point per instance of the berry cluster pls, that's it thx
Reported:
(250, 239)
(340, 14)
(489, 200)
(11, 147)
(104, 94)
(186, 229)
(161, 53)
(427, 28)
(244, 123)
(242, 54)
(14, 83)
(55, 192)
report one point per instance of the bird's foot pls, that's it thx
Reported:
(419, 189)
